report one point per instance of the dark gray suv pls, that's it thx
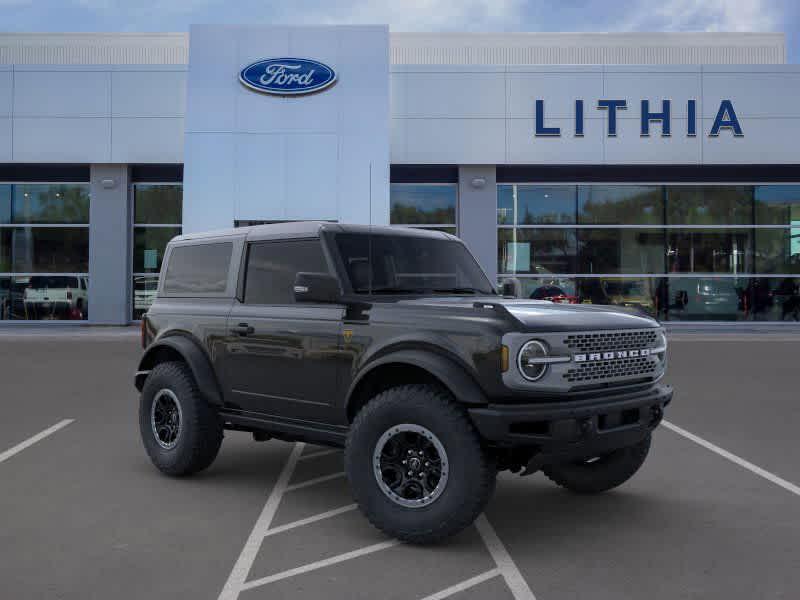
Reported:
(393, 344)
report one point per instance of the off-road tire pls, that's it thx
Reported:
(200, 434)
(607, 472)
(471, 476)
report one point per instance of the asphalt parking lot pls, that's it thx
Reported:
(714, 513)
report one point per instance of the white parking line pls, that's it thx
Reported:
(505, 564)
(309, 520)
(33, 439)
(320, 453)
(320, 564)
(788, 486)
(464, 585)
(244, 563)
(315, 481)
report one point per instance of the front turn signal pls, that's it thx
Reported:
(503, 359)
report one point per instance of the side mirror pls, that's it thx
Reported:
(316, 287)
(509, 288)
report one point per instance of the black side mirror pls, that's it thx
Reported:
(508, 289)
(322, 288)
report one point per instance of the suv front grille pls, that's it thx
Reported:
(611, 340)
(611, 369)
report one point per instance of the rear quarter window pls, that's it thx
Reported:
(198, 269)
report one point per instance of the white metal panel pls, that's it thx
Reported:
(211, 86)
(455, 141)
(452, 95)
(5, 140)
(524, 147)
(6, 95)
(47, 139)
(559, 91)
(148, 93)
(62, 93)
(311, 175)
(147, 140)
(655, 85)
(318, 168)
(629, 148)
(765, 141)
(753, 94)
(259, 197)
(208, 181)
(397, 142)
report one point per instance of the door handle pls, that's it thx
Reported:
(242, 329)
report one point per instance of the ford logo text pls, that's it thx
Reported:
(287, 76)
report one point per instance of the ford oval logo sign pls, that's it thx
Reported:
(287, 76)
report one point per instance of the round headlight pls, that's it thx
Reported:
(529, 367)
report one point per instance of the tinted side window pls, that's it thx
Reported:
(272, 267)
(200, 269)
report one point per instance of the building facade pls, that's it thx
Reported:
(656, 171)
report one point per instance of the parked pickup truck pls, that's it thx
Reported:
(56, 296)
(393, 344)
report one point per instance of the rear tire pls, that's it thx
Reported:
(180, 431)
(600, 474)
(425, 418)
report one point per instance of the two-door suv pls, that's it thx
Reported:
(393, 344)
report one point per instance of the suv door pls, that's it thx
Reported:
(281, 356)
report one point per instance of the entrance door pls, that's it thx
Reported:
(282, 357)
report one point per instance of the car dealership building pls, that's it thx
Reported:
(658, 171)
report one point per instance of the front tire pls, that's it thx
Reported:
(416, 466)
(600, 473)
(180, 431)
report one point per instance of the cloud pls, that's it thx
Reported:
(705, 15)
(415, 15)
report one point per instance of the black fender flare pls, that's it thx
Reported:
(193, 355)
(450, 373)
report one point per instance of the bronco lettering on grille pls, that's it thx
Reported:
(610, 355)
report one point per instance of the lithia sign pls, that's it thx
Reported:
(726, 119)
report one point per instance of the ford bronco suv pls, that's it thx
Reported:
(393, 344)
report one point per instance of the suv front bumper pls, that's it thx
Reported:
(574, 429)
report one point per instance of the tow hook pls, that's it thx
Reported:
(656, 413)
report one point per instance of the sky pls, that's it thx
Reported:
(413, 15)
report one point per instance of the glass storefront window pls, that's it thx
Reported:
(44, 204)
(708, 299)
(423, 204)
(610, 251)
(778, 250)
(641, 295)
(554, 289)
(537, 251)
(149, 244)
(44, 297)
(157, 218)
(157, 204)
(620, 204)
(709, 205)
(536, 205)
(710, 250)
(44, 251)
(777, 205)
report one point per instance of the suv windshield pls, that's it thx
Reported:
(405, 264)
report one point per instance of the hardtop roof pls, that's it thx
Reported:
(306, 229)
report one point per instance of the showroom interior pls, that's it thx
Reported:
(95, 181)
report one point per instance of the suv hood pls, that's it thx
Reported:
(543, 315)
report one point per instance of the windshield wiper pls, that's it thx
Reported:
(393, 290)
(456, 290)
